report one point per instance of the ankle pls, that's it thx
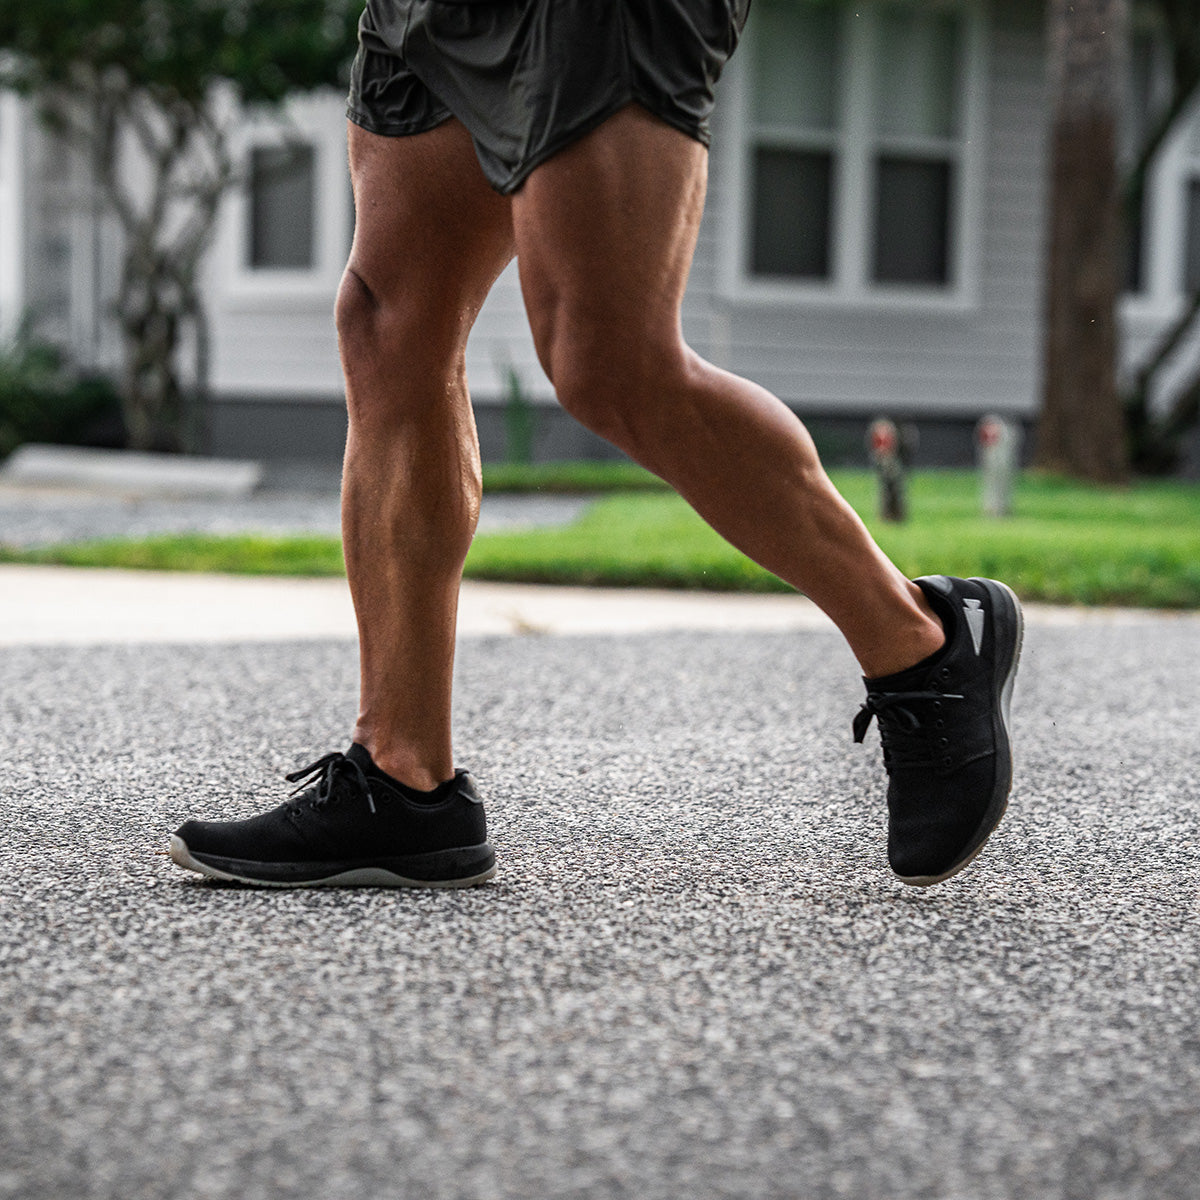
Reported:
(920, 636)
(421, 772)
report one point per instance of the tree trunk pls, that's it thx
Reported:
(152, 398)
(1081, 432)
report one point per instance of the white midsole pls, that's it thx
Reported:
(358, 877)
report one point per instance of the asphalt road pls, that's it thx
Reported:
(693, 976)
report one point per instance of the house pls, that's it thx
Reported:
(873, 241)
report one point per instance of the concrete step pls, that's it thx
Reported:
(130, 473)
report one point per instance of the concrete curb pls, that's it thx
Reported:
(130, 474)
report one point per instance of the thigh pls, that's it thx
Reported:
(605, 233)
(431, 235)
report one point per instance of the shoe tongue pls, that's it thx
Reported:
(360, 756)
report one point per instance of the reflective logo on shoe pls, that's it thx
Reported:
(973, 609)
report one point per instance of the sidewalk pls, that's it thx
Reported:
(64, 606)
(81, 606)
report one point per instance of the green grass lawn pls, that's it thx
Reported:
(1065, 543)
(576, 477)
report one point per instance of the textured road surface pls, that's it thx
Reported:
(693, 976)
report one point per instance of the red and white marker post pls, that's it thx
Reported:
(997, 445)
(887, 448)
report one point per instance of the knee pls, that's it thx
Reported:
(397, 350)
(402, 316)
(611, 382)
(356, 311)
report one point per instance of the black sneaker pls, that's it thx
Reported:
(945, 730)
(354, 826)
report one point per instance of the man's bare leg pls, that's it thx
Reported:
(605, 233)
(431, 238)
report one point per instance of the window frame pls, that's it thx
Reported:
(260, 161)
(313, 121)
(856, 145)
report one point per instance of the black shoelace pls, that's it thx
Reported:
(909, 735)
(329, 769)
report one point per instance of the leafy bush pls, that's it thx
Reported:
(43, 400)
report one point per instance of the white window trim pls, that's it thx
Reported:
(12, 219)
(1165, 236)
(850, 285)
(318, 122)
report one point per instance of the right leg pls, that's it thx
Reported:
(430, 240)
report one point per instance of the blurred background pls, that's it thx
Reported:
(931, 210)
(175, 212)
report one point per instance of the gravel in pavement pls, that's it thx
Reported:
(692, 977)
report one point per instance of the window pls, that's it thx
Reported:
(1190, 157)
(1191, 281)
(1189, 184)
(281, 209)
(915, 149)
(856, 125)
(284, 233)
(795, 113)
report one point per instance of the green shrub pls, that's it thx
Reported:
(43, 400)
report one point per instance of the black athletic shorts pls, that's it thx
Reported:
(527, 77)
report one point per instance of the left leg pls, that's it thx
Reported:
(605, 233)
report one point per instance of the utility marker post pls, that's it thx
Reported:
(887, 451)
(998, 443)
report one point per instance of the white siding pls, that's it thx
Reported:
(275, 339)
(272, 332)
(501, 338)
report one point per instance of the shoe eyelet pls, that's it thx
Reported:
(943, 741)
(937, 706)
(944, 673)
(947, 760)
(939, 724)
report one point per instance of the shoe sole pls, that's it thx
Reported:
(466, 866)
(1010, 638)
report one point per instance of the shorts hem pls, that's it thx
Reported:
(698, 131)
(396, 128)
